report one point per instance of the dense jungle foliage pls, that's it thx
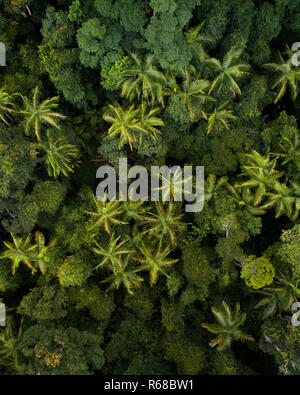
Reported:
(131, 288)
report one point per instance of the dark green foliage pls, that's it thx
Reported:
(197, 269)
(131, 288)
(281, 339)
(73, 272)
(60, 351)
(189, 357)
(45, 303)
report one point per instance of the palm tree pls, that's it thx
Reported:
(295, 188)
(124, 275)
(196, 40)
(164, 222)
(149, 121)
(134, 210)
(6, 106)
(257, 160)
(37, 113)
(228, 72)
(32, 255)
(193, 89)
(21, 251)
(289, 77)
(61, 157)
(136, 237)
(112, 252)
(10, 347)
(211, 185)
(244, 197)
(281, 199)
(107, 213)
(128, 123)
(173, 184)
(291, 151)
(220, 116)
(143, 80)
(262, 173)
(42, 258)
(155, 261)
(279, 297)
(228, 326)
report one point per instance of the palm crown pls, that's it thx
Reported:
(289, 77)
(32, 255)
(228, 72)
(61, 157)
(37, 113)
(165, 222)
(123, 274)
(111, 253)
(155, 261)
(130, 123)
(144, 80)
(228, 326)
(106, 214)
(220, 116)
(196, 40)
(6, 106)
(193, 89)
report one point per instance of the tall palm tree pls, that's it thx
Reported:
(289, 77)
(112, 251)
(38, 113)
(6, 106)
(42, 249)
(291, 151)
(11, 346)
(281, 199)
(149, 121)
(123, 274)
(20, 251)
(135, 238)
(228, 326)
(228, 72)
(155, 261)
(295, 188)
(61, 157)
(134, 210)
(257, 160)
(279, 298)
(143, 80)
(244, 197)
(193, 89)
(196, 40)
(34, 256)
(106, 214)
(164, 222)
(174, 185)
(220, 116)
(262, 173)
(130, 123)
(211, 186)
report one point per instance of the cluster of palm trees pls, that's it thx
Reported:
(60, 157)
(152, 239)
(263, 190)
(146, 82)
